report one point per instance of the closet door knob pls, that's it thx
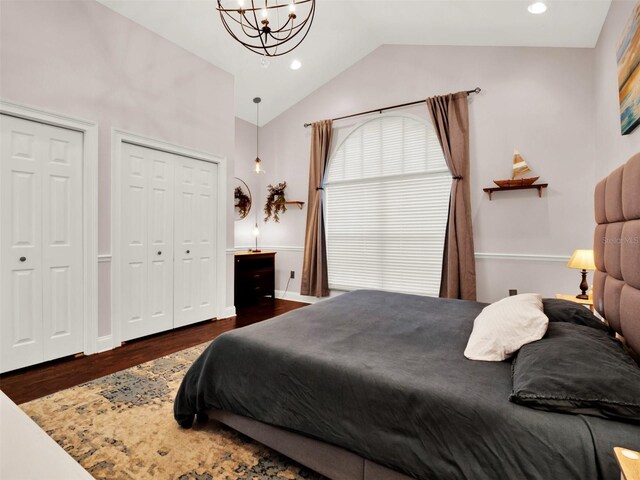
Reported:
(23, 259)
(188, 251)
(159, 252)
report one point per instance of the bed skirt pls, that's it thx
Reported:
(333, 462)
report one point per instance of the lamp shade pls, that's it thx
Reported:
(582, 259)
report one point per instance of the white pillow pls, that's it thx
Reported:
(505, 326)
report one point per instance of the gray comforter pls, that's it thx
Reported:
(384, 375)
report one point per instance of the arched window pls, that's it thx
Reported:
(386, 201)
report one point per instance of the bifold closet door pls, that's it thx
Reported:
(195, 241)
(146, 241)
(41, 249)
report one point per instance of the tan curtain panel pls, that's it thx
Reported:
(450, 117)
(315, 279)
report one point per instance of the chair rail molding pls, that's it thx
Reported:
(528, 257)
(277, 248)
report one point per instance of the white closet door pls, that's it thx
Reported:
(147, 241)
(40, 242)
(62, 242)
(195, 241)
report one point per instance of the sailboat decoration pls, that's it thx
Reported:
(519, 167)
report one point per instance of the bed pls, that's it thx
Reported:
(374, 385)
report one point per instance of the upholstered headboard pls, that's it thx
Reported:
(616, 283)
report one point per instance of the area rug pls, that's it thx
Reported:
(121, 427)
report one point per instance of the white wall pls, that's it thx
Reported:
(81, 59)
(612, 148)
(539, 100)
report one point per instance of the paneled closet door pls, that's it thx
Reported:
(147, 241)
(40, 242)
(62, 271)
(195, 241)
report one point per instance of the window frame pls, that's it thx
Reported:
(394, 177)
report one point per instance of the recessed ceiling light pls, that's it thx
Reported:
(537, 8)
(295, 65)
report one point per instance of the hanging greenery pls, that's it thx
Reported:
(242, 202)
(275, 202)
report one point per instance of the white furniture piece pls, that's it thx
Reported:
(41, 242)
(168, 240)
(28, 453)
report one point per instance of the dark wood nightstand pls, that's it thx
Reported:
(254, 276)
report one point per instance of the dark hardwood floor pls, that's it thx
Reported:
(40, 380)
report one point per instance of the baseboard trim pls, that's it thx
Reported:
(227, 312)
(104, 343)
(296, 297)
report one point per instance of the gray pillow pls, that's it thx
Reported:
(558, 310)
(577, 369)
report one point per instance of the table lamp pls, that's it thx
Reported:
(256, 233)
(582, 259)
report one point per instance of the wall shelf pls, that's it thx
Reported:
(538, 187)
(299, 204)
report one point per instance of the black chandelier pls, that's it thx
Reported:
(268, 27)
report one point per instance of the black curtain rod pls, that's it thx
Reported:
(380, 110)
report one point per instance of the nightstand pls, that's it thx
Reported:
(629, 462)
(254, 276)
(572, 298)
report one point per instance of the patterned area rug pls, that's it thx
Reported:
(121, 427)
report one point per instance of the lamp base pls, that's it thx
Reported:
(584, 286)
(255, 251)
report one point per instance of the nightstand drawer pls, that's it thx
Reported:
(255, 275)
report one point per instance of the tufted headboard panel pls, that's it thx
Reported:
(616, 282)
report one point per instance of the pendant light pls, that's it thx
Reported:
(258, 166)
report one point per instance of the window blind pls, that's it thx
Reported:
(386, 202)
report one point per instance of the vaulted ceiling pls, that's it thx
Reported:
(344, 31)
